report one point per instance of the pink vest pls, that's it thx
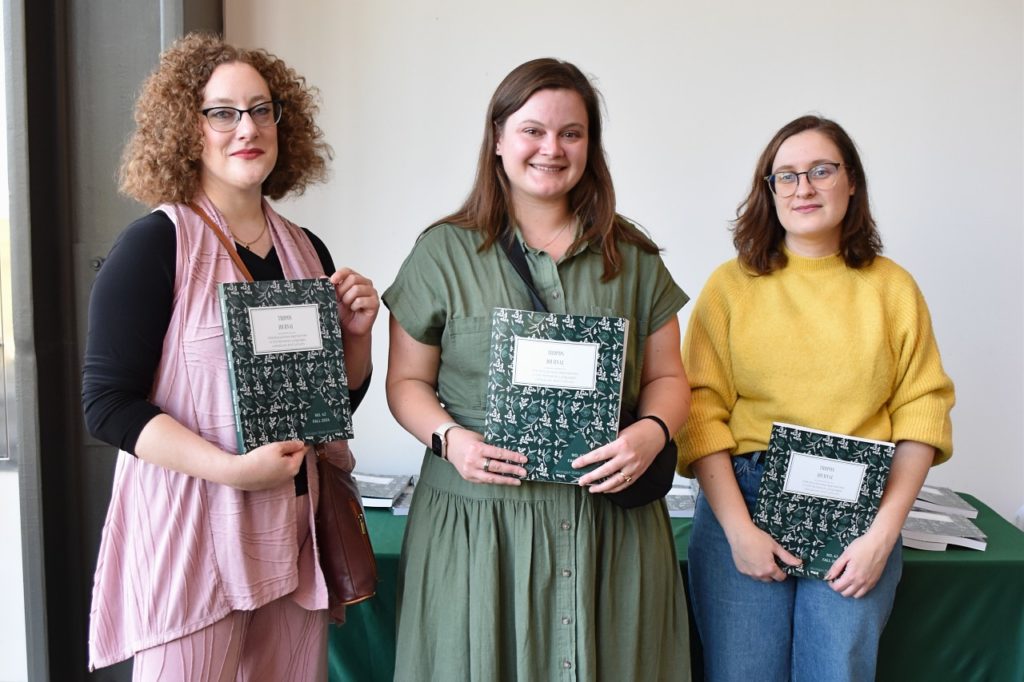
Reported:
(178, 553)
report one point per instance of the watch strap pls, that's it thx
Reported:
(439, 439)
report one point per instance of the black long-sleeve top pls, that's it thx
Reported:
(129, 311)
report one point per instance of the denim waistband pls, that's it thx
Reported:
(753, 457)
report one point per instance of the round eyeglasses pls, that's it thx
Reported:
(226, 119)
(823, 176)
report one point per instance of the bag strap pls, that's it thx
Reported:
(514, 250)
(228, 246)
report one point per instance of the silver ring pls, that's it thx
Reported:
(625, 478)
(487, 465)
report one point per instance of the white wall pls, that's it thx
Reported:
(931, 91)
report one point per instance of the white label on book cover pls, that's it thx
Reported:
(285, 329)
(555, 364)
(823, 477)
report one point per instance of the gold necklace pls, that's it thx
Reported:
(557, 235)
(246, 245)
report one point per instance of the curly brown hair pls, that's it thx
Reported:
(489, 206)
(757, 233)
(161, 161)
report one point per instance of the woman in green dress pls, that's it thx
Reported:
(502, 579)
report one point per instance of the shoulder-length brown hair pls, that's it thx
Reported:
(489, 206)
(160, 163)
(757, 233)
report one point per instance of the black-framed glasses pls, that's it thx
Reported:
(226, 119)
(823, 176)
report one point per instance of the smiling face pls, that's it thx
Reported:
(241, 159)
(543, 147)
(812, 217)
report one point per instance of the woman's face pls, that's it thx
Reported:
(812, 217)
(238, 160)
(543, 146)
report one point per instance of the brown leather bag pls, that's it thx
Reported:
(346, 556)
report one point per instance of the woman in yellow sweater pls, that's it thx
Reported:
(809, 326)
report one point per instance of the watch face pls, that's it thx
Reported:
(437, 445)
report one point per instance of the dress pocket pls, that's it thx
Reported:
(465, 355)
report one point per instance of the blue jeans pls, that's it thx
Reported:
(798, 629)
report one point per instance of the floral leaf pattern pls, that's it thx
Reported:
(818, 529)
(287, 395)
(553, 426)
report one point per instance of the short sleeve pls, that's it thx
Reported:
(415, 297)
(666, 297)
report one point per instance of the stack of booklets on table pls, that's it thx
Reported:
(554, 388)
(681, 500)
(935, 531)
(379, 491)
(404, 500)
(820, 491)
(945, 501)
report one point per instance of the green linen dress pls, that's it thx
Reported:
(542, 581)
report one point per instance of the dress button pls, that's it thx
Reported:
(566, 573)
(556, 295)
(566, 620)
(566, 664)
(566, 525)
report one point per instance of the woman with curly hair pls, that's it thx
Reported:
(207, 567)
(809, 326)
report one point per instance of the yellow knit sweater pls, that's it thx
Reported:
(817, 344)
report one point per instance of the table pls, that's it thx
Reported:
(958, 615)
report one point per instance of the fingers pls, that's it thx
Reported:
(787, 558)
(859, 568)
(341, 274)
(850, 582)
(619, 468)
(269, 465)
(481, 463)
(495, 470)
(355, 291)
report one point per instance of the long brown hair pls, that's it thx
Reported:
(488, 208)
(161, 160)
(757, 233)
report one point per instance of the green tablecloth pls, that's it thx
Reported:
(959, 614)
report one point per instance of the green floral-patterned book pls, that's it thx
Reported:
(554, 388)
(820, 491)
(285, 361)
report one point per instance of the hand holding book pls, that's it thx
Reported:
(268, 466)
(860, 566)
(358, 301)
(623, 460)
(478, 462)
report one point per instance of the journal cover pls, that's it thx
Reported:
(285, 361)
(820, 491)
(554, 387)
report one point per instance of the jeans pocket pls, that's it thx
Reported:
(748, 477)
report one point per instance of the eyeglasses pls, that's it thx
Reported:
(226, 119)
(823, 176)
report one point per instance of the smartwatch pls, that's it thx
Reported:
(439, 440)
